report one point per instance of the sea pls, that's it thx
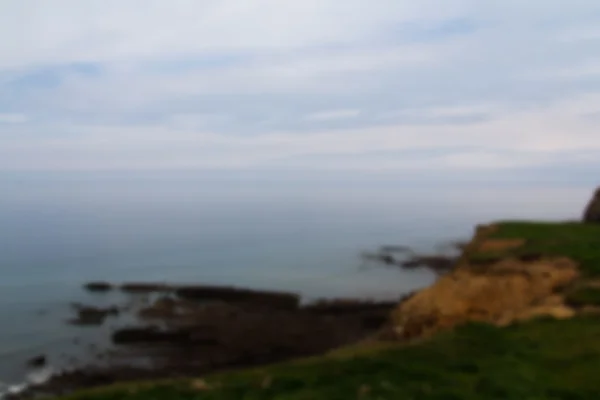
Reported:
(57, 233)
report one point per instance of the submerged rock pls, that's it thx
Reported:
(142, 287)
(87, 315)
(98, 286)
(592, 210)
(37, 361)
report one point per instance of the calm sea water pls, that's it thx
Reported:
(53, 238)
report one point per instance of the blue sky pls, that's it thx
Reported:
(432, 88)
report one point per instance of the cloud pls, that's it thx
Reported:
(68, 30)
(530, 137)
(333, 114)
(13, 118)
(587, 69)
(441, 87)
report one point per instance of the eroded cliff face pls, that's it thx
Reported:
(500, 292)
(591, 213)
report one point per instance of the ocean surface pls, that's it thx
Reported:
(55, 237)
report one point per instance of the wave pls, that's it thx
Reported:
(33, 378)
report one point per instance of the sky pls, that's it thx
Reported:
(496, 90)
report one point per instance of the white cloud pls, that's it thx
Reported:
(432, 113)
(579, 33)
(340, 71)
(108, 30)
(195, 120)
(530, 137)
(13, 118)
(333, 115)
(258, 83)
(587, 69)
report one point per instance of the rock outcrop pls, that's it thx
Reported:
(592, 211)
(500, 293)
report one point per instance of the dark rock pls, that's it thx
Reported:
(37, 361)
(128, 336)
(383, 258)
(404, 257)
(145, 287)
(374, 321)
(162, 308)
(348, 306)
(592, 210)
(98, 286)
(275, 300)
(198, 330)
(87, 315)
(395, 249)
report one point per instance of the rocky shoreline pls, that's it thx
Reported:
(189, 330)
(163, 330)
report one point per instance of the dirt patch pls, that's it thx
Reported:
(594, 284)
(498, 245)
(507, 291)
(590, 310)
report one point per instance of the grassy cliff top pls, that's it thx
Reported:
(539, 359)
(580, 242)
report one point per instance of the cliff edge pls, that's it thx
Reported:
(510, 271)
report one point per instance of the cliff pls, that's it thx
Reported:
(509, 271)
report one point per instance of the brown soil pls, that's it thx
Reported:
(494, 245)
(505, 290)
(594, 284)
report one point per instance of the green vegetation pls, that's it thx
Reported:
(541, 359)
(578, 241)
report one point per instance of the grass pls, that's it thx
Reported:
(580, 242)
(542, 359)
